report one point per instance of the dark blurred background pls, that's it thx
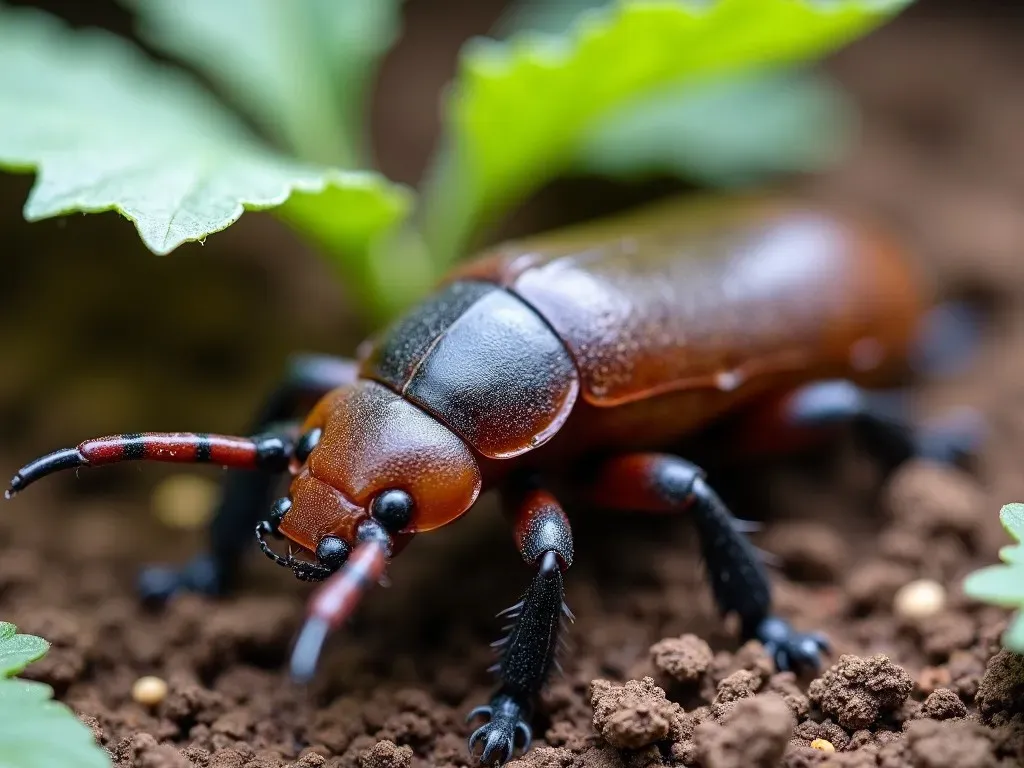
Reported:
(100, 336)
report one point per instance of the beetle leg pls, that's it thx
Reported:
(246, 496)
(663, 483)
(808, 415)
(528, 652)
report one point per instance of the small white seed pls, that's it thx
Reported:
(824, 745)
(920, 599)
(149, 691)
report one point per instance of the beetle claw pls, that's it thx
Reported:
(501, 734)
(791, 650)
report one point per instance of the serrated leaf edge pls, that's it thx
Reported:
(9, 633)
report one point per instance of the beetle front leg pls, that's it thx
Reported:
(663, 483)
(529, 651)
(246, 495)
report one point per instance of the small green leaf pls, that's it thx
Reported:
(1013, 637)
(108, 129)
(520, 109)
(303, 70)
(37, 732)
(724, 132)
(997, 584)
(18, 651)
(1012, 518)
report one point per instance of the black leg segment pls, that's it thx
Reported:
(528, 652)
(666, 484)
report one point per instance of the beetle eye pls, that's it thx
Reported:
(307, 443)
(332, 552)
(392, 509)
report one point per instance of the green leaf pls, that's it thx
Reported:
(37, 732)
(1012, 518)
(108, 129)
(18, 651)
(726, 132)
(1013, 637)
(997, 584)
(302, 70)
(519, 110)
(389, 271)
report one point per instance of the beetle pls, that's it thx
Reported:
(584, 362)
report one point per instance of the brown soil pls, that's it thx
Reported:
(653, 678)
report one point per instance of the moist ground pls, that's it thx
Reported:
(653, 677)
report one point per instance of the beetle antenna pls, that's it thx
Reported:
(260, 452)
(338, 597)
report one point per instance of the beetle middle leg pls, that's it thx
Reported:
(664, 483)
(528, 652)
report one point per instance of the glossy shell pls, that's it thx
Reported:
(484, 363)
(692, 296)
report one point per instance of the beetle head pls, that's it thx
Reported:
(370, 468)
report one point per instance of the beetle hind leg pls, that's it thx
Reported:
(666, 484)
(810, 415)
(529, 651)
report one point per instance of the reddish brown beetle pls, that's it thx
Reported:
(587, 357)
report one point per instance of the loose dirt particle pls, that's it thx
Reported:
(386, 754)
(1001, 692)
(149, 691)
(942, 704)
(143, 751)
(919, 599)
(931, 498)
(753, 735)
(934, 744)
(544, 757)
(857, 690)
(685, 658)
(633, 715)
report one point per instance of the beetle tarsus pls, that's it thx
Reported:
(789, 649)
(499, 736)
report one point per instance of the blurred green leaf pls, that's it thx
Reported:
(387, 265)
(301, 69)
(18, 651)
(1003, 585)
(521, 109)
(1013, 637)
(997, 584)
(1012, 518)
(37, 732)
(107, 129)
(723, 132)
